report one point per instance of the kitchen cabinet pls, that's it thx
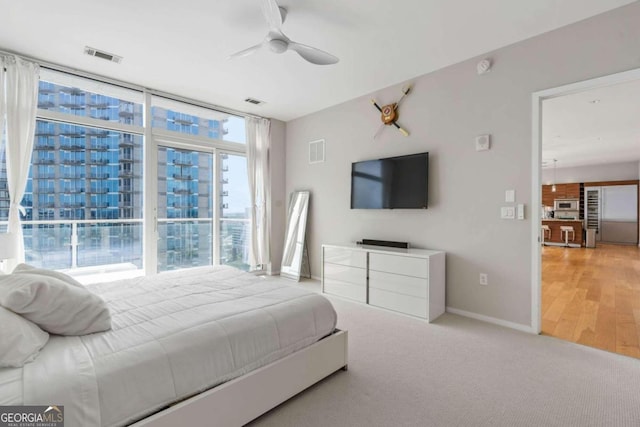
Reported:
(572, 191)
(563, 191)
(547, 196)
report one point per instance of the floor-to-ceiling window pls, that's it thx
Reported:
(87, 186)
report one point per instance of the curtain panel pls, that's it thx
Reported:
(20, 101)
(258, 142)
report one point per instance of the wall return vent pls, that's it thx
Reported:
(316, 151)
(102, 54)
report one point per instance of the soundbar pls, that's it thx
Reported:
(370, 242)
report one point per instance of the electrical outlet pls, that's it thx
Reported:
(484, 279)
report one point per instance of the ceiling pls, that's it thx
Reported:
(592, 127)
(182, 47)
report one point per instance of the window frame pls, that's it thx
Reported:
(152, 138)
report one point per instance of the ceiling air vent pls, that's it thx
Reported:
(102, 54)
(254, 101)
(316, 151)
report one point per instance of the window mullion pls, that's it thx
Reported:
(55, 116)
(150, 193)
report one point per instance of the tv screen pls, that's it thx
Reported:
(391, 183)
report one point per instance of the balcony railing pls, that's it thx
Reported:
(72, 162)
(75, 243)
(98, 161)
(72, 147)
(99, 176)
(102, 190)
(63, 244)
(181, 190)
(181, 177)
(43, 161)
(100, 133)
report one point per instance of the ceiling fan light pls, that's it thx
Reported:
(278, 46)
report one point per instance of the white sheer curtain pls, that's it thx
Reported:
(258, 141)
(3, 73)
(20, 102)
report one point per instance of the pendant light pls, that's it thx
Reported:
(553, 187)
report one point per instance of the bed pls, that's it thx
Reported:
(208, 345)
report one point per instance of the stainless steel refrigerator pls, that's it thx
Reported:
(612, 211)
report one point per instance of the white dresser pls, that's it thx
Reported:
(410, 281)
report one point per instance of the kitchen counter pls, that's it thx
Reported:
(556, 236)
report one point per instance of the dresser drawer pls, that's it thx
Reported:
(345, 289)
(345, 256)
(406, 285)
(343, 273)
(408, 266)
(398, 302)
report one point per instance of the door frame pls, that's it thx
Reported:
(536, 167)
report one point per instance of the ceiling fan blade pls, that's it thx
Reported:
(272, 14)
(246, 52)
(313, 55)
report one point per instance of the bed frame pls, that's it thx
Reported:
(245, 398)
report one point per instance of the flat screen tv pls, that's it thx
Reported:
(392, 183)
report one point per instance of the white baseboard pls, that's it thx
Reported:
(488, 319)
(318, 278)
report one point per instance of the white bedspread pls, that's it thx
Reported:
(174, 335)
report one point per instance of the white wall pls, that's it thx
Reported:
(594, 173)
(444, 113)
(277, 170)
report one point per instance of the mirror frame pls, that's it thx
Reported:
(294, 249)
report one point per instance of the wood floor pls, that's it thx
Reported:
(592, 296)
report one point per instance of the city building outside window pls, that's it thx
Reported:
(85, 192)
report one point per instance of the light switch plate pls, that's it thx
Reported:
(510, 196)
(507, 212)
(520, 211)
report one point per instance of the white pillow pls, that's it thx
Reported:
(29, 269)
(52, 304)
(20, 340)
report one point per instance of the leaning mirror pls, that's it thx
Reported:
(294, 255)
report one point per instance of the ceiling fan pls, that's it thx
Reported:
(277, 42)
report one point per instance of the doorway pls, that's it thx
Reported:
(200, 206)
(580, 294)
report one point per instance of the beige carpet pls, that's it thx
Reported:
(462, 372)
